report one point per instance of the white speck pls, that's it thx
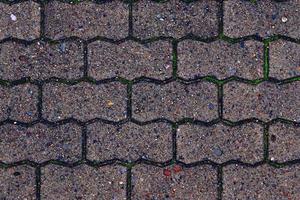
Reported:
(13, 17)
(15, 122)
(272, 159)
(284, 19)
(121, 183)
(58, 117)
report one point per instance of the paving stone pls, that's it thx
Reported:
(87, 19)
(262, 182)
(40, 143)
(41, 60)
(19, 102)
(130, 60)
(266, 101)
(284, 59)
(21, 20)
(174, 182)
(83, 182)
(220, 59)
(284, 142)
(84, 101)
(220, 143)
(130, 142)
(175, 18)
(17, 183)
(264, 18)
(174, 101)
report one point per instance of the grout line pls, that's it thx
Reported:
(174, 141)
(266, 66)
(266, 143)
(220, 182)
(129, 101)
(174, 59)
(85, 60)
(38, 182)
(84, 142)
(129, 183)
(130, 18)
(220, 101)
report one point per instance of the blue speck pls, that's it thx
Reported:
(211, 106)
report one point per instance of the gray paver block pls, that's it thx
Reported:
(21, 20)
(174, 182)
(265, 101)
(264, 18)
(175, 18)
(175, 101)
(41, 60)
(40, 143)
(17, 183)
(130, 142)
(220, 59)
(130, 60)
(284, 59)
(86, 19)
(262, 182)
(220, 143)
(19, 102)
(284, 142)
(83, 182)
(84, 101)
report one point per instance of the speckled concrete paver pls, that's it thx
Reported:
(150, 100)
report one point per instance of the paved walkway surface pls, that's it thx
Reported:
(150, 100)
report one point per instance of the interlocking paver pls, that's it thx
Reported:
(175, 18)
(17, 183)
(19, 102)
(220, 59)
(83, 182)
(265, 101)
(174, 182)
(40, 143)
(284, 142)
(284, 59)
(41, 60)
(264, 18)
(130, 142)
(84, 101)
(21, 20)
(174, 101)
(262, 182)
(87, 19)
(130, 60)
(220, 143)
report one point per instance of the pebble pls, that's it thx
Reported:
(217, 151)
(13, 17)
(284, 19)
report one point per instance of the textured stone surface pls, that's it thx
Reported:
(175, 18)
(284, 59)
(220, 59)
(130, 60)
(265, 18)
(83, 182)
(17, 183)
(263, 182)
(86, 19)
(174, 182)
(41, 60)
(220, 143)
(21, 20)
(40, 143)
(284, 142)
(266, 101)
(19, 102)
(84, 101)
(175, 101)
(130, 142)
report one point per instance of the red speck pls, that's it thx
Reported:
(167, 172)
(177, 168)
